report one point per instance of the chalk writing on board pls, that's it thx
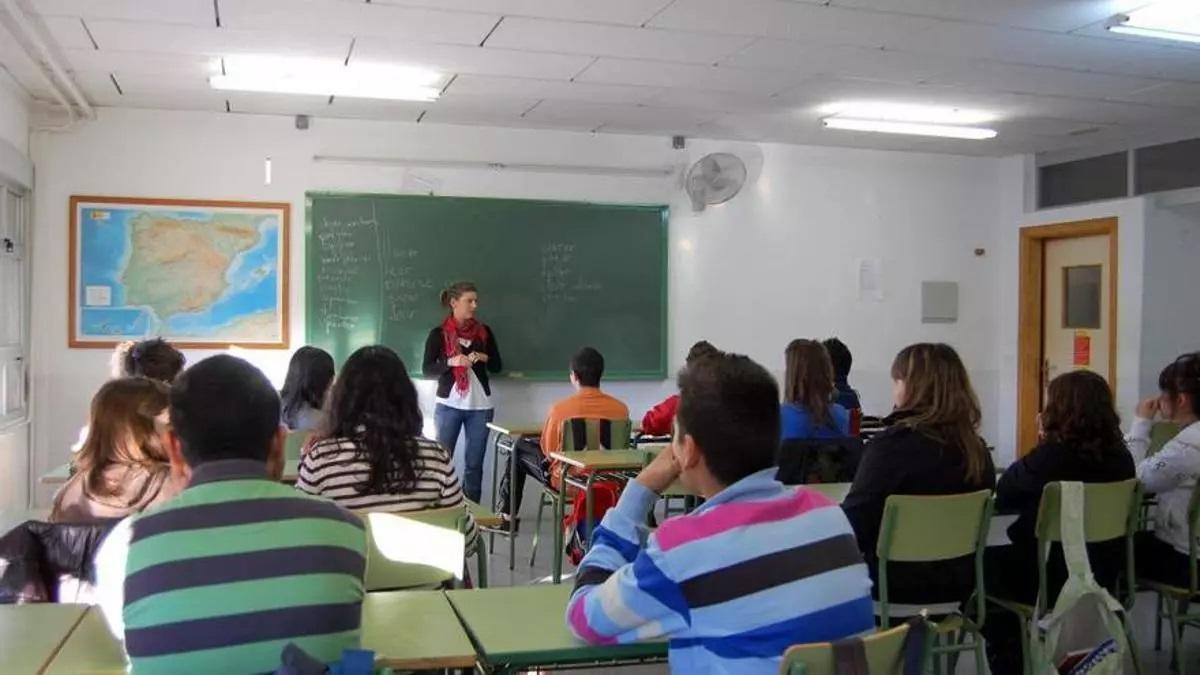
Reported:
(561, 282)
(405, 290)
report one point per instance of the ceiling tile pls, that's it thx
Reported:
(685, 76)
(362, 108)
(885, 65)
(1167, 94)
(161, 100)
(193, 12)
(789, 20)
(600, 40)
(1049, 15)
(515, 87)
(720, 101)
(626, 117)
(134, 36)
(480, 60)
(357, 18)
(276, 104)
(1001, 77)
(1013, 45)
(627, 12)
(68, 32)
(156, 63)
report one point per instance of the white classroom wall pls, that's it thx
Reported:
(775, 263)
(14, 166)
(1171, 304)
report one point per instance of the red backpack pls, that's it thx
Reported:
(575, 529)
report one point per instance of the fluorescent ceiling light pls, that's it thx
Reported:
(913, 128)
(1175, 20)
(326, 78)
(904, 112)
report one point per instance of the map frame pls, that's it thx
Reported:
(76, 340)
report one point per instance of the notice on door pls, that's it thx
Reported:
(1083, 349)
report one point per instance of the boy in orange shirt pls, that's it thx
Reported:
(588, 402)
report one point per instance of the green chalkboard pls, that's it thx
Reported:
(553, 277)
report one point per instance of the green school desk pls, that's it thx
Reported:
(408, 630)
(90, 648)
(415, 630)
(504, 442)
(594, 464)
(30, 635)
(506, 642)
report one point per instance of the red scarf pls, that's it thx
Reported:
(452, 331)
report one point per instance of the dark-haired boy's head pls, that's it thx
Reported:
(588, 367)
(840, 355)
(224, 408)
(156, 359)
(700, 350)
(729, 409)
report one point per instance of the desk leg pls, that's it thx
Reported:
(560, 511)
(495, 497)
(512, 503)
(591, 525)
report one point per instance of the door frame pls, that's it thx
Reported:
(1031, 295)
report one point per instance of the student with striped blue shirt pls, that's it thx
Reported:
(757, 568)
(238, 565)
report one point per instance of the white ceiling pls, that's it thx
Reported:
(753, 70)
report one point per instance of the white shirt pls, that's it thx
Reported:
(474, 398)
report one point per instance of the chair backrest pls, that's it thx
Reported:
(1193, 532)
(419, 549)
(907, 534)
(596, 434)
(856, 417)
(826, 460)
(294, 444)
(885, 655)
(1110, 511)
(1160, 434)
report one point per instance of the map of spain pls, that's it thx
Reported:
(189, 274)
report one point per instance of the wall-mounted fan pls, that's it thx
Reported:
(714, 179)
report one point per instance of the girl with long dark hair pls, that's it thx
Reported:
(808, 391)
(308, 378)
(369, 452)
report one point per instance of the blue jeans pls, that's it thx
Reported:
(449, 422)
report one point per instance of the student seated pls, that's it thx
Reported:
(588, 402)
(371, 455)
(122, 466)
(309, 375)
(931, 446)
(238, 565)
(808, 408)
(155, 359)
(1080, 440)
(842, 359)
(660, 420)
(1172, 472)
(757, 568)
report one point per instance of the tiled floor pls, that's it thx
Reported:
(1153, 663)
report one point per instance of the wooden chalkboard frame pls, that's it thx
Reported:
(540, 376)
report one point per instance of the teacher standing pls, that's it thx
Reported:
(460, 353)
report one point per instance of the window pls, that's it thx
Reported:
(1169, 166)
(1081, 301)
(14, 305)
(1083, 180)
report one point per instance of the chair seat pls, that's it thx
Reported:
(1176, 592)
(1021, 608)
(905, 611)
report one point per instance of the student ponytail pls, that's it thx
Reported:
(455, 291)
(1183, 377)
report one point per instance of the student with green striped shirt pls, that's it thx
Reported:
(225, 575)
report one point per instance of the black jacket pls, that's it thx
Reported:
(434, 364)
(901, 461)
(1020, 488)
(38, 553)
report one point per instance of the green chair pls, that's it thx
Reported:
(1178, 599)
(581, 434)
(294, 444)
(415, 550)
(1160, 434)
(1110, 512)
(906, 535)
(884, 652)
(458, 519)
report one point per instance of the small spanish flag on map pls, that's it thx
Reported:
(99, 215)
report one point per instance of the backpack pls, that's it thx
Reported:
(1084, 633)
(604, 497)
